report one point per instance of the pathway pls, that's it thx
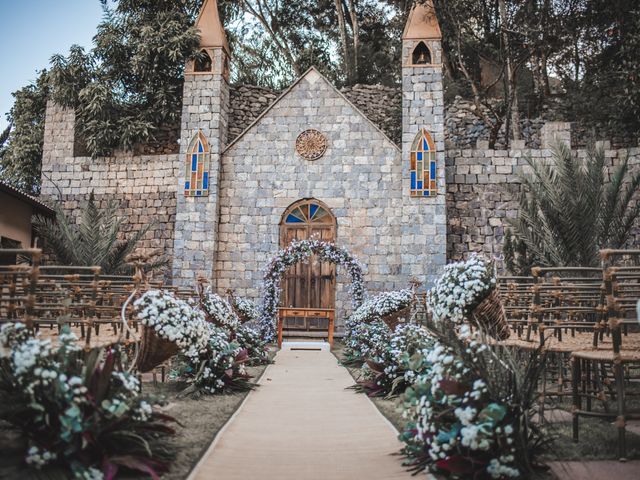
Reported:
(301, 424)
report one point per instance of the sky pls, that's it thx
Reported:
(31, 31)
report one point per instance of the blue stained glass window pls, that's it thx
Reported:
(293, 219)
(422, 168)
(196, 178)
(308, 212)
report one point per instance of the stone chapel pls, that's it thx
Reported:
(311, 164)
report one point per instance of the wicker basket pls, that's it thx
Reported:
(394, 319)
(490, 316)
(154, 350)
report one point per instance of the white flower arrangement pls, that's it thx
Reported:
(460, 289)
(382, 305)
(250, 338)
(174, 320)
(452, 418)
(245, 308)
(70, 401)
(390, 365)
(219, 310)
(299, 251)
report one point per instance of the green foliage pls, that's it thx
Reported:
(573, 207)
(79, 411)
(130, 84)
(274, 42)
(94, 240)
(516, 260)
(21, 146)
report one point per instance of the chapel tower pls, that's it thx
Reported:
(205, 113)
(423, 149)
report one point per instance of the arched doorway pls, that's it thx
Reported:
(311, 284)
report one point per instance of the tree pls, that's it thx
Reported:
(94, 241)
(21, 155)
(130, 84)
(570, 208)
(288, 37)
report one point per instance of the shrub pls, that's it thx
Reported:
(389, 367)
(469, 414)
(210, 361)
(79, 413)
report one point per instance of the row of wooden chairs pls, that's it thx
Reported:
(48, 297)
(585, 320)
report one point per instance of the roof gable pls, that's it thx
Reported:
(312, 76)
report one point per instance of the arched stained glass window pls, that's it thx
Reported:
(423, 166)
(196, 178)
(308, 212)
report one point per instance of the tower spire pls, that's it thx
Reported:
(422, 23)
(212, 33)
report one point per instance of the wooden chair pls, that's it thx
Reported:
(17, 284)
(601, 376)
(565, 306)
(516, 294)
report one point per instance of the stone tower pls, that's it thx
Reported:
(422, 119)
(205, 114)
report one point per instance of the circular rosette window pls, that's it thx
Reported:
(311, 144)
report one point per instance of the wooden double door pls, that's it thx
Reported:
(310, 284)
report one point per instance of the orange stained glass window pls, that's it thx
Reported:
(196, 178)
(423, 166)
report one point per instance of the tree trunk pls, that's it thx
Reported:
(511, 93)
(355, 28)
(343, 39)
(281, 44)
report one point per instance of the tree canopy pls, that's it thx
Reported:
(507, 56)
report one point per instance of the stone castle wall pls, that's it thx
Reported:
(483, 187)
(144, 187)
(360, 178)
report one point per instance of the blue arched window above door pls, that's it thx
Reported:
(308, 212)
(196, 178)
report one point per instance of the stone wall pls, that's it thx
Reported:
(144, 188)
(483, 187)
(360, 178)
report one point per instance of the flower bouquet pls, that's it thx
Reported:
(81, 415)
(245, 309)
(219, 311)
(170, 325)
(467, 291)
(391, 307)
(389, 368)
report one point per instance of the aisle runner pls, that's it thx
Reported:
(301, 424)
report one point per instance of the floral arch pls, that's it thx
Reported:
(296, 252)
